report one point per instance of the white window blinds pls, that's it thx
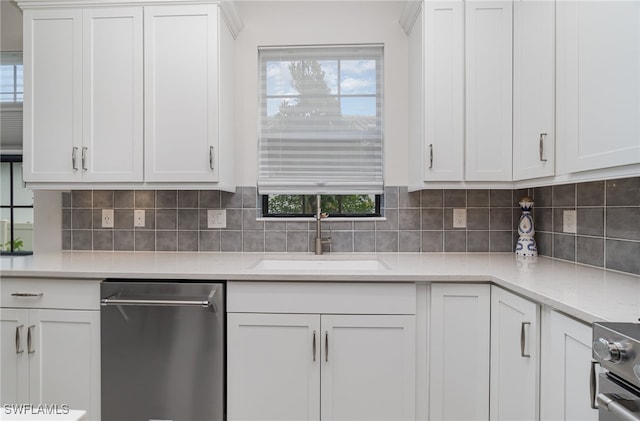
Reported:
(321, 127)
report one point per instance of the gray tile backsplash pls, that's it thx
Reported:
(608, 223)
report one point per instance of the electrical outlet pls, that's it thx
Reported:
(459, 218)
(107, 218)
(138, 218)
(569, 223)
(217, 218)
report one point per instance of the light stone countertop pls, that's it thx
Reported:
(584, 292)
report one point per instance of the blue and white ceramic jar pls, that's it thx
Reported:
(526, 245)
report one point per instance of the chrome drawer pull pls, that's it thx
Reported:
(592, 385)
(30, 349)
(326, 346)
(541, 146)
(19, 349)
(314, 346)
(27, 294)
(523, 339)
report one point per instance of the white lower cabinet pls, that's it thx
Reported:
(459, 332)
(320, 366)
(515, 357)
(566, 361)
(50, 356)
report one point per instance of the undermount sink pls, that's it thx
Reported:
(320, 264)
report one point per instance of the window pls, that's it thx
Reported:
(321, 130)
(16, 208)
(11, 77)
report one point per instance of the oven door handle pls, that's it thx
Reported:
(593, 385)
(616, 408)
(117, 300)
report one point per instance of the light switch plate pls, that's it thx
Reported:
(569, 224)
(217, 218)
(138, 218)
(459, 218)
(107, 218)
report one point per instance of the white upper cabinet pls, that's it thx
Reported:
(436, 46)
(488, 54)
(598, 84)
(533, 89)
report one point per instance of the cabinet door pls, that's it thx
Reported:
(14, 370)
(64, 359)
(444, 90)
(181, 93)
(273, 367)
(533, 89)
(598, 95)
(566, 361)
(52, 95)
(368, 367)
(514, 357)
(459, 334)
(112, 90)
(488, 81)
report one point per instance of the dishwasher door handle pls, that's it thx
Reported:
(117, 300)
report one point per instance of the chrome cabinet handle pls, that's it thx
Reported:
(30, 349)
(619, 411)
(74, 153)
(592, 385)
(118, 300)
(326, 346)
(211, 157)
(27, 294)
(84, 158)
(541, 147)
(19, 349)
(314, 346)
(523, 340)
(430, 155)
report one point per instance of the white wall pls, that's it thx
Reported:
(10, 26)
(322, 22)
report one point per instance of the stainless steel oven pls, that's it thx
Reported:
(163, 353)
(616, 347)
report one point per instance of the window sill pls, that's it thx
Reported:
(311, 219)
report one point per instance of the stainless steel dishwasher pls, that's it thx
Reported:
(163, 352)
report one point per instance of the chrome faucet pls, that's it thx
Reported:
(319, 217)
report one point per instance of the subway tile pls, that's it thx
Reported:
(249, 221)
(544, 241)
(166, 199)
(364, 241)
(103, 198)
(390, 199)
(66, 199)
(564, 195)
(144, 199)
(623, 192)
(432, 241)
(81, 198)
(590, 251)
(364, 225)
(432, 219)
(209, 199)
(432, 198)
(409, 219)
(81, 219)
(166, 219)
(167, 240)
(187, 240)
(297, 241)
(145, 240)
(478, 219)
(391, 222)
(408, 199)
(275, 226)
(187, 199)
(623, 256)
(518, 194)
(341, 241)
(455, 241)
(123, 219)
(234, 219)
(478, 241)
(123, 199)
(149, 220)
(253, 241)
(66, 239)
(231, 241)
(590, 194)
(558, 219)
(102, 240)
(500, 219)
(336, 226)
(448, 220)
(231, 200)
(501, 198)
(543, 219)
(275, 241)
(299, 226)
(623, 223)
(478, 198)
(590, 221)
(409, 241)
(81, 239)
(564, 247)
(455, 198)
(209, 241)
(387, 241)
(501, 241)
(123, 240)
(187, 219)
(250, 197)
(542, 196)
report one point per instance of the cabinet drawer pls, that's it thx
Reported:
(321, 297)
(78, 294)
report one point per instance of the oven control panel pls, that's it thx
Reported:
(615, 347)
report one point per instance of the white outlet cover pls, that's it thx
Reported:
(569, 224)
(107, 218)
(139, 218)
(459, 218)
(216, 218)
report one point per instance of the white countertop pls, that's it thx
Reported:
(586, 293)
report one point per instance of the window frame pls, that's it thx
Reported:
(266, 214)
(12, 159)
